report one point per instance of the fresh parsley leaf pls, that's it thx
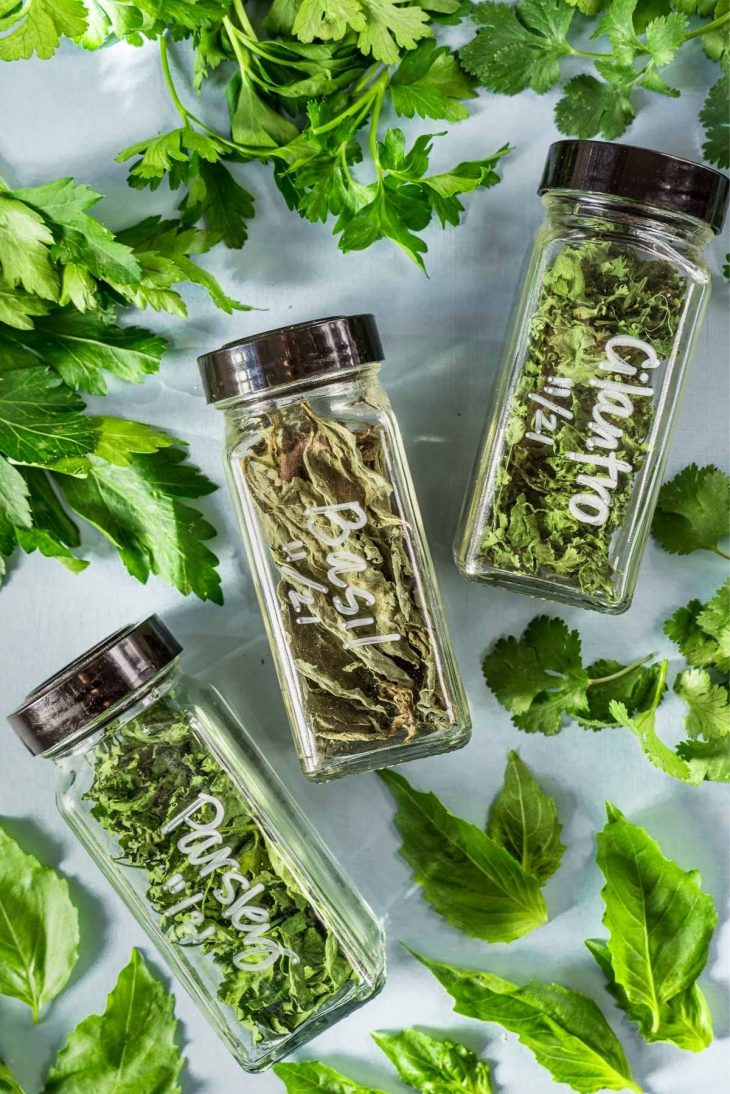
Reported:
(19, 308)
(565, 1030)
(429, 83)
(41, 420)
(470, 880)
(130, 1048)
(591, 106)
(220, 200)
(693, 511)
(311, 1076)
(540, 678)
(434, 1066)
(524, 820)
(383, 27)
(8, 1082)
(138, 507)
(25, 257)
(518, 46)
(660, 925)
(14, 504)
(118, 440)
(37, 26)
(39, 928)
(709, 707)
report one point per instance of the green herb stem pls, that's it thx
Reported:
(379, 90)
(179, 105)
(244, 19)
(714, 25)
(723, 554)
(622, 672)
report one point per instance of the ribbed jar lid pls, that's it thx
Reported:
(287, 355)
(95, 682)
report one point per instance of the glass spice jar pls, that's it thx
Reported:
(328, 512)
(196, 833)
(563, 492)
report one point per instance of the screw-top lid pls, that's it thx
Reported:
(94, 683)
(640, 174)
(288, 355)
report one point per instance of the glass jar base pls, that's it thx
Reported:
(542, 589)
(391, 755)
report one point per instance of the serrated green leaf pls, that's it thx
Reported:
(14, 504)
(524, 820)
(41, 420)
(693, 510)
(313, 1077)
(709, 709)
(617, 23)
(715, 117)
(138, 508)
(565, 1030)
(130, 1048)
(519, 46)
(698, 646)
(39, 928)
(664, 35)
(590, 107)
(25, 242)
(430, 84)
(433, 1065)
(707, 759)
(18, 308)
(659, 921)
(470, 880)
(37, 26)
(117, 440)
(643, 724)
(224, 204)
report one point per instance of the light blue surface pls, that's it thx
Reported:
(70, 116)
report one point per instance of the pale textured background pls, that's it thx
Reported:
(70, 116)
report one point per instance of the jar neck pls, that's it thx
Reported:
(131, 706)
(330, 385)
(602, 214)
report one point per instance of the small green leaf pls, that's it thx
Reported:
(41, 421)
(130, 1048)
(590, 107)
(693, 510)
(707, 759)
(434, 1066)
(524, 820)
(39, 928)
(565, 1030)
(469, 879)
(312, 1077)
(709, 709)
(643, 725)
(518, 46)
(37, 26)
(429, 83)
(664, 35)
(25, 257)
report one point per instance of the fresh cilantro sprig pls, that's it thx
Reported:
(65, 281)
(533, 44)
(693, 511)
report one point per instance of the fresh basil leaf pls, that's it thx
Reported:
(433, 1065)
(39, 928)
(130, 1048)
(660, 922)
(311, 1076)
(524, 820)
(471, 881)
(565, 1030)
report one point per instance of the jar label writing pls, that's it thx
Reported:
(332, 530)
(615, 399)
(202, 846)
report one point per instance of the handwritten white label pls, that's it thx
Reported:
(331, 526)
(202, 846)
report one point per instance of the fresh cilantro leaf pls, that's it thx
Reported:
(643, 725)
(25, 257)
(709, 708)
(685, 1019)
(317, 19)
(429, 83)
(82, 239)
(564, 1029)
(138, 507)
(714, 619)
(433, 1065)
(664, 35)
(716, 43)
(591, 106)
(518, 46)
(37, 26)
(39, 928)
(634, 686)
(660, 925)
(702, 632)
(524, 820)
(707, 759)
(8, 1082)
(470, 880)
(41, 420)
(540, 678)
(130, 1048)
(617, 24)
(383, 27)
(693, 511)
(311, 1075)
(715, 117)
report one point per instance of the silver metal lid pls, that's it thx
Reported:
(95, 682)
(289, 355)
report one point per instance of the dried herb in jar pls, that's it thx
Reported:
(348, 597)
(581, 416)
(147, 773)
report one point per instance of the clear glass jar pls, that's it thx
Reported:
(563, 491)
(345, 582)
(196, 833)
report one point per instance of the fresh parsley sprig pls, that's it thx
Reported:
(65, 282)
(526, 45)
